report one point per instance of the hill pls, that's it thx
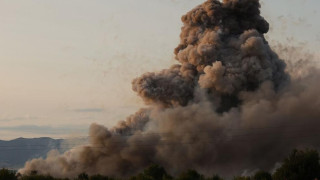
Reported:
(14, 153)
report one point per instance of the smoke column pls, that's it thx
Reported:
(229, 105)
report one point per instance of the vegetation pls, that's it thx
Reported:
(299, 165)
(262, 175)
(154, 172)
(6, 174)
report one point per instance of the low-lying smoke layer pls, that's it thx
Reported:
(229, 105)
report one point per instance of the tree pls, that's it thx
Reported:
(241, 178)
(100, 177)
(83, 176)
(156, 172)
(6, 174)
(299, 165)
(153, 172)
(141, 176)
(191, 175)
(215, 177)
(262, 175)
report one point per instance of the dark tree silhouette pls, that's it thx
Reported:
(215, 177)
(299, 165)
(153, 172)
(241, 178)
(83, 176)
(191, 175)
(6, 174)
(262, 175)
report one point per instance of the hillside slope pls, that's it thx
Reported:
(14, 153)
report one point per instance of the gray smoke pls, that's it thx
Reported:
(228, 106)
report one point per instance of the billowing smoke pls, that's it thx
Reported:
(228, 106)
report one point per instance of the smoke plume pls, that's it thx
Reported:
(230, 105)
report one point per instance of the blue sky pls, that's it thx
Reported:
(67, 64)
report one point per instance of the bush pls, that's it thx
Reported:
(241, 178)
(156, 172)
(215, 177)
(6, 174)
(100, 177)
(153, 172)
(191, 175)
(300, 165)
(262, 175)
(83, 176)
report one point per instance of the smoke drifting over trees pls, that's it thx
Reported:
(229, 102)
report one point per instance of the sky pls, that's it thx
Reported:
(67, 64)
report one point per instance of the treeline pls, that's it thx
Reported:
(299, 165)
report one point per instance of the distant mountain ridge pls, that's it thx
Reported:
(14, 153)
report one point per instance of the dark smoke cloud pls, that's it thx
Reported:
(229, 105)
(168, 87)
(133, 123)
